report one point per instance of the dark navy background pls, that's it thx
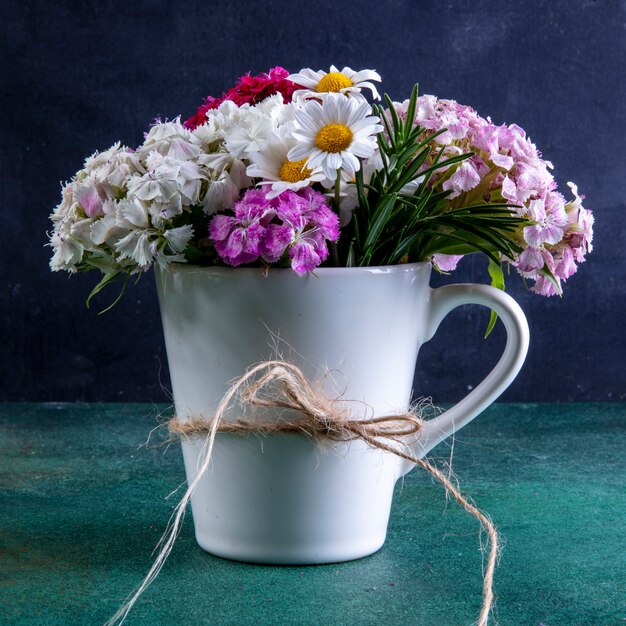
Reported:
(78, 76)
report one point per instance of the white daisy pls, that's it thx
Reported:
(333, 133)
(273, 166)
(346, 81)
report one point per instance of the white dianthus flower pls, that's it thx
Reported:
(171, 139)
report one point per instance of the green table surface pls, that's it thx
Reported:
(83, 503)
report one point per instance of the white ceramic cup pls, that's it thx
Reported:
(283, 498)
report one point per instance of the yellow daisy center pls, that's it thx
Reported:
(333, 138)
(335, 81)
(294, 171)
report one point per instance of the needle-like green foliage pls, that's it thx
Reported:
(403, 216)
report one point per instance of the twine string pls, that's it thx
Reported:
(282, 385)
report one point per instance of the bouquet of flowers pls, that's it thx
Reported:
(301, 170)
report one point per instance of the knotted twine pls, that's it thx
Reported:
(282, 385)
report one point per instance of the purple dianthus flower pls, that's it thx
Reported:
(239, 239)
(306, 224)
(297, 225)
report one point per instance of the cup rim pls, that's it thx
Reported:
(320, 271)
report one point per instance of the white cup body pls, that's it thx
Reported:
(355, 333)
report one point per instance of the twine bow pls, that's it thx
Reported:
(282, 385)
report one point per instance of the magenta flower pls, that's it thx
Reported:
(294, 225)
(307, 224)
(239, 239)
(277, 239)
(248, 90)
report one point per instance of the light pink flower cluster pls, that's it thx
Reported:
(295, 226)
(507, 166)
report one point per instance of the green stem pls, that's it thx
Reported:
(334, 247)
(337, 191)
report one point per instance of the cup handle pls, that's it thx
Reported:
(442, 301)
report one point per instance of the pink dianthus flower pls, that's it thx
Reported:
(305, 224)
(506, 166)
(238, 239)
(294, 225)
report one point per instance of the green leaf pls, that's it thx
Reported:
(360, 190)
(429, 138)
(544, 271)
(119, 297)
(104, 281)
(379, 221)
(351, 259)
(497, 281)
(410, 112)
(406, 156)
(410, 173)
(478, 246)
(391, 226)
(501, 244)
(383, 152)
(404, 247)
(355, 222)
(447, 162)
(108, 279)
(193, 254)
(397, 122)
(387, 125)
